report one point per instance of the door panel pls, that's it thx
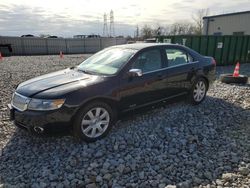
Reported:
(137, 91)
(180, 70)
(179, 78)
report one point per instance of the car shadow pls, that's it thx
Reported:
(172, 143)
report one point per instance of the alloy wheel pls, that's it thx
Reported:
(95, 122)
(199, 91)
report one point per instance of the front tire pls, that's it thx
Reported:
(93, 121)
(198, 91)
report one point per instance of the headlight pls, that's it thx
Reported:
(43, 104)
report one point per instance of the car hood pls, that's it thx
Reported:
(52, 80)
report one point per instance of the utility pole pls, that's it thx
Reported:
(105, 25)
(112, 27)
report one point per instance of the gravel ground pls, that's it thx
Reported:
(176, 145)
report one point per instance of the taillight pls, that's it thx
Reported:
(213, 61)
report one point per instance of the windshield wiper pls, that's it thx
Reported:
(86, 71)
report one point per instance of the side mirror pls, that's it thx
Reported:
(135, 72)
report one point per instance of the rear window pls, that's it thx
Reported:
(178, 57)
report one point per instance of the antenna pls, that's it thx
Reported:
(105, 25)
(112, 28)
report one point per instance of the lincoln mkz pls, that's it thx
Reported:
(88, 98)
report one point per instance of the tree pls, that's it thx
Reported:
(198, 20)
(159, 30)
(182, 28)
(165, 30)
(146, 32)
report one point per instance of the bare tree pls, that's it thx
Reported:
(198, 20)
(166, 30)
(146, 32)
(159, 30)
(154, 31)
(182, 28)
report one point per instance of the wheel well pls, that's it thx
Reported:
(207, 82)
(110, 102)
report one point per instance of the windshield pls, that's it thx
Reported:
(108, 61)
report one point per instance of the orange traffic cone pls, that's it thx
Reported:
(1, 57)
(61, 54)
(237, 70)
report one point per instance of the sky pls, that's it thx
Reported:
(73, 17)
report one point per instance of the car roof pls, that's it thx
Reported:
(139, 46)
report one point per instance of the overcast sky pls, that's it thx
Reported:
(70, 17)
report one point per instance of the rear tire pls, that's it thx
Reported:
(198, 91)
(93, 121)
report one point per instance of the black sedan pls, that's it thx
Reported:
(88, 98)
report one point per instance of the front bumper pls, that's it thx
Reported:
(50, 121)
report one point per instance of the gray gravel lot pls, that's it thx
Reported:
(178, 144)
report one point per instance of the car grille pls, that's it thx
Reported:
(20, 102)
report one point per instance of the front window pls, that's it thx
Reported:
(108, 61)
(148, 61)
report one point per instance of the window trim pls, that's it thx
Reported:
(172, 67)
(182, 50)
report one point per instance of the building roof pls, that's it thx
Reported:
(228, 14)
